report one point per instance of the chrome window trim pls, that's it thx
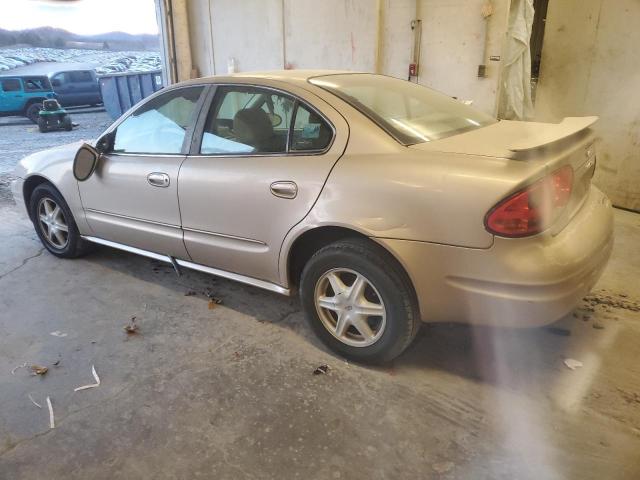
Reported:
(256, 282)
(205, 113)
(155, 155)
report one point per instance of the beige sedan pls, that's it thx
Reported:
(384, 203)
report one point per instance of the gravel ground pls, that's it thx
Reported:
(19, 137)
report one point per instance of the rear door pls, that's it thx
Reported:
(258, 163)
(132, 198)
(11, 95)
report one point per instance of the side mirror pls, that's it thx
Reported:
(56, 83)
(85, 162)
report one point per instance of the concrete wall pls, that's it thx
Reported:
(452, 48)
(350, 34)
(590, 67)
(335, 34)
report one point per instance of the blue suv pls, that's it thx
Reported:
(23, 95)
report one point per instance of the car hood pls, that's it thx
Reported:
(57, 157)
(507, 139)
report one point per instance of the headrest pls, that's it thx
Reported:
(251, 125)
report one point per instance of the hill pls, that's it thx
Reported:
(59, 38)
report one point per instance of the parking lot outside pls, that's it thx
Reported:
(19, 137)
(229, 391)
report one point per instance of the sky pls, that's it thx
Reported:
(84, 17)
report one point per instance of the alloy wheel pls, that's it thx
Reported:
(53, 223)
(350, 307)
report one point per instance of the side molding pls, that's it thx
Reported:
(193, 266)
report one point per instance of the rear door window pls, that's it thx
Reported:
(11, 85)
(36, 84)
(310, 131)
(247, 120)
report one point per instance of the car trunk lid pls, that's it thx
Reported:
(545, 145)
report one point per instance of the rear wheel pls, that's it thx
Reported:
(33, 112)
(42, 125)
(359, 301)
(54, 223)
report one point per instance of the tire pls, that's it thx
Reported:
(67, 244)
(387, 289)
(42, 125)
(66, 123)
(33, 112)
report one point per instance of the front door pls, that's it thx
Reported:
(263, 158)
(132, 198)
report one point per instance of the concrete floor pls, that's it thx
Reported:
(229, 393)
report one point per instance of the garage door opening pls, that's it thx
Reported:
(537, 37)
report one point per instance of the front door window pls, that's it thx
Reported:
(160, 125)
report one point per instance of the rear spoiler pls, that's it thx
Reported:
(546, 133)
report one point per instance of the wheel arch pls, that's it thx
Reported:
(31, 101)
(312, 240)
(30, 184)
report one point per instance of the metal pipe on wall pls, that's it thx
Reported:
(173, 22)
(182, 43)
(379, 36)
(416, 27)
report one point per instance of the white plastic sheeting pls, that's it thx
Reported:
(515, 93)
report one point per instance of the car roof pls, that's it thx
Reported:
(289, 76)
(22, 76)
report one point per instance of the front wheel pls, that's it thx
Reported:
(358, 301)
(66, 123)
(54, 223)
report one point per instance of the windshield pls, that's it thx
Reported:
(409, 112)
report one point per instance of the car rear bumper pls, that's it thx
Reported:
(517, 282)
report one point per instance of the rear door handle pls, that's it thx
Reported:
(158, 179)
(284, 189)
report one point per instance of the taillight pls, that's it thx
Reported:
(533, 209)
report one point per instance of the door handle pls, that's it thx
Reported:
(158, 179)
(284, 189)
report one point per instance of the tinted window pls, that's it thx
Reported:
(247, 120)
(36, 84)
(81, 76)
(11, 85)
(409, 112)
(160, 125)
(310, 131)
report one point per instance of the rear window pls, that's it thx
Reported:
(409, 112)
(11, 85)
